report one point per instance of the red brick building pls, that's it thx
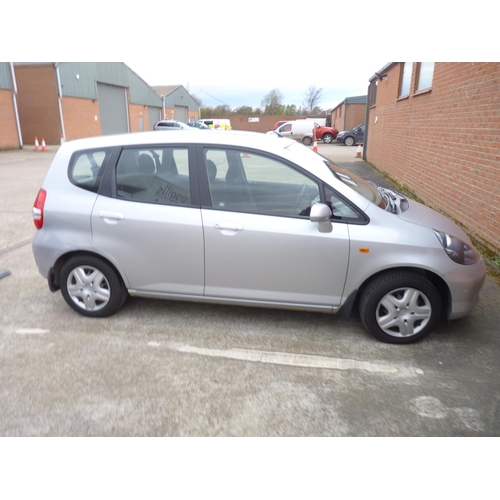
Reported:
(72, 100)
(9, 119)
(435, 129)
(349, 113)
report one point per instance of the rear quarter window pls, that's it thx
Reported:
(86, 168)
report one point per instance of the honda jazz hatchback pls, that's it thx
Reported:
(247, 219)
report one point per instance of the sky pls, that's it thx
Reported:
(247, 85)
(234, 53)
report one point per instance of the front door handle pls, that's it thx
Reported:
(228, 226)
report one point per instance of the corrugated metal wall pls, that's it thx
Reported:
(181, 97)
(5, 76)
(79, 79)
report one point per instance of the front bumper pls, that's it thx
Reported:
(465, 287)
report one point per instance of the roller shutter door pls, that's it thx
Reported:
(112, 109)
(181, 113)
(153, 116)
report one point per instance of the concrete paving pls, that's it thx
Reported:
(161, 368)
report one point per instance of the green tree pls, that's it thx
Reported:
(273, 103)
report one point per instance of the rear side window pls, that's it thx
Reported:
(154, 175)
(86, 168)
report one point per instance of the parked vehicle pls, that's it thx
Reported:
(216, 123)
(248, 219)
(353, 136)
(300, 130)
(303, 130)
(278, 124)
(326, 134)
(169, 125)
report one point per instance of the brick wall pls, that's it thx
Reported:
(444, 144)
(38, 103)
(81, 118)
(348, 116)
(265, 123)
(8, 129)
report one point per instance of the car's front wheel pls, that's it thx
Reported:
(349, 141)
(307, 140)
(327, 138)
(400, 307)
(91, 286)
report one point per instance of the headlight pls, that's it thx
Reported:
(457, 250)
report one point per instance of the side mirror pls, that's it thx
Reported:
(321, 213)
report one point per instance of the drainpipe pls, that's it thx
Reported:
(163, 100)
(367, 115)
(14, 99)
(59, 99)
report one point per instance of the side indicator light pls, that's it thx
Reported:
(364, 250)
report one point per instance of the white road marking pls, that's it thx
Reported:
(31, 331)
(282, 358)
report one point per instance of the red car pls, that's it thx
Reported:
(326, 134)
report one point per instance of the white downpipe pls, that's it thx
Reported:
(14, 99)
(59, 99)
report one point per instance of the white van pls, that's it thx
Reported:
(216, 123)
(300, 130)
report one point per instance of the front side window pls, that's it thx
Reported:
(86, 168)
(154, 175)
(406, 79)
(425, 75)
(249, 182)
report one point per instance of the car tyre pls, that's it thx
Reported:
(327, 138)
(349, 141)
(307, 140)
(91, 286)
(400, 307)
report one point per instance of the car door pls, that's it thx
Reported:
(146, 224)
(285, 130)
(360, 133)
(260, 244)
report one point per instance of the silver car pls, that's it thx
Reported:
(247, 219)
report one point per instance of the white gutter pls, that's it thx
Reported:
(59, 99)
(14, 99)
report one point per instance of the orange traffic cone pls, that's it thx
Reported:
(44, 147)
(37, 146)
(358, 152)
(315, 144)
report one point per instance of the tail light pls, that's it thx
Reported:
(38, 208)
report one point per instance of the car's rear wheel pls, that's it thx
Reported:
(91, 286)
(349, 141)
(307, 140)
(400, 307)
(327, 138)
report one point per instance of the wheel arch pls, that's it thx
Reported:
(55, 271)
(434, 278)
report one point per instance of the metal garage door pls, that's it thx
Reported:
(181, 113)
(112, 109)
(153, 116)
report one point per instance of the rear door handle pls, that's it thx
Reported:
(111, 217)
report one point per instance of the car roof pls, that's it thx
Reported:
(190, 135)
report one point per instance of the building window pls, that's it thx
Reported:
(406, 79)
(374, 88)
(425, 74)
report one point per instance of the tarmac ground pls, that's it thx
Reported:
(160, 368)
